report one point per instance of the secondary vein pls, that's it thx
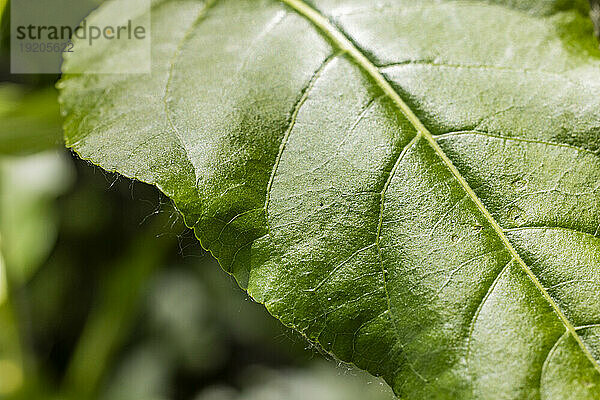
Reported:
(340, 40)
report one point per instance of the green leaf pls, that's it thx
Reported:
(411, 185)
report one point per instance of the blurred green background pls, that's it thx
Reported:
(104, 294)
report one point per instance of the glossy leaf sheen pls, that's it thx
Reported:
(413, 185)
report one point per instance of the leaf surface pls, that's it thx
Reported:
(412, 185)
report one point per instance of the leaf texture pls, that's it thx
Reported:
(411, 185)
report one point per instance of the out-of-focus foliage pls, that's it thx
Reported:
(30, 120)
(317, 382)
(104, 295)
(29, 187)
(595, 14)
(187, 332)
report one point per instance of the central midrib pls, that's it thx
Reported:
(340, 40)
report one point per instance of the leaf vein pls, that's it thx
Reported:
(480, 307)
(518, 139)
(332, 32)
(293, 119)
(199, 18)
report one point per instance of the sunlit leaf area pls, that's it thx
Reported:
(104, 294)
(305, 200)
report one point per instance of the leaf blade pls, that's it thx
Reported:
(341, 298)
